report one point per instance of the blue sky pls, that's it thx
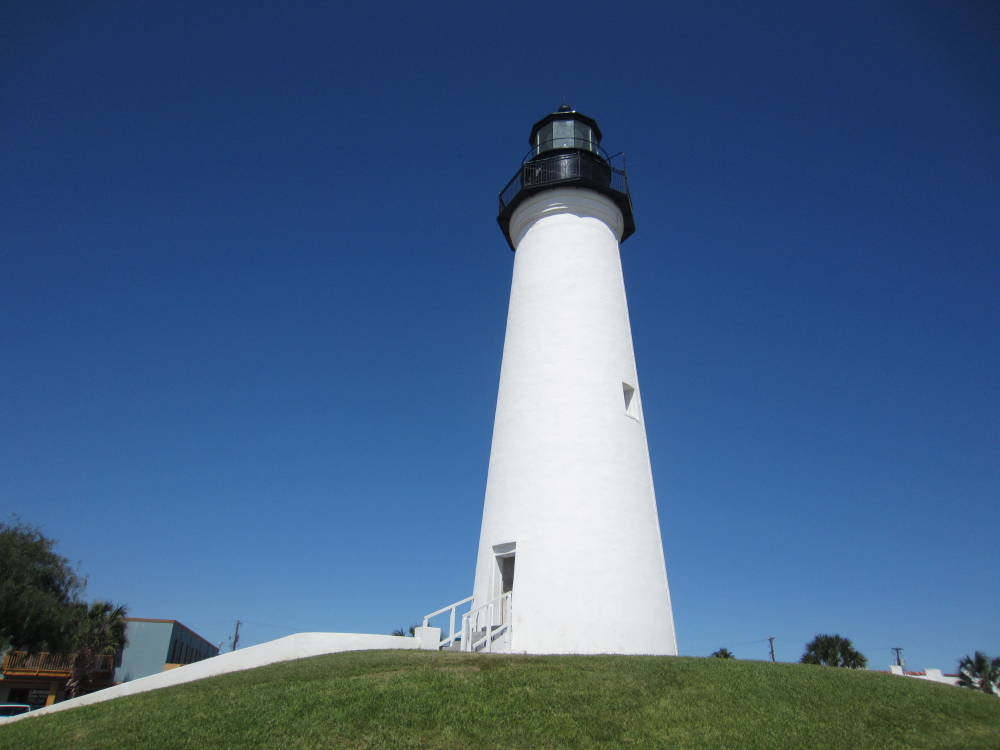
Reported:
(253, 299)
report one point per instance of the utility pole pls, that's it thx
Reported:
(771, 642)
(898, 650)
(236, 635)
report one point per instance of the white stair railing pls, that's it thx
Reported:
(452, 635)
(492, 620)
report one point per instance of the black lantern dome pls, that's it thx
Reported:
(565, 152)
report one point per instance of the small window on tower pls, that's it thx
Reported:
(631, 401)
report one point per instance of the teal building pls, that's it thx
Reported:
(155, 646)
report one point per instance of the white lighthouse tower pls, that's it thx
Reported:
(570, 557)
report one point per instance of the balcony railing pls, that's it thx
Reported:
(575, 167)
(23, 664)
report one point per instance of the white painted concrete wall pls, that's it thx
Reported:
(299, 646)
(569, 478)
(931, 675)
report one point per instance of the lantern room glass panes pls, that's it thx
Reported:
(565, 134)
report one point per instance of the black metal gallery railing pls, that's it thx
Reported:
(573, 169)
(563, 168)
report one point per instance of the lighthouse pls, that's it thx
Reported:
(570, 557)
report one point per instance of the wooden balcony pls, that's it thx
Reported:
(56, 666)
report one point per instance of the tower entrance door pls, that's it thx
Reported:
(503, 570)
(503, 581)
(506, 574)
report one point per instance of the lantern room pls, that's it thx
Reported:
(564, 130)
(566, 152)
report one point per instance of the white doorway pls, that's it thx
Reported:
(504, 556)
(503, 569)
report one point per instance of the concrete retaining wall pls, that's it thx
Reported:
(299, 646)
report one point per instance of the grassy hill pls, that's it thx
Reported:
(413, 699)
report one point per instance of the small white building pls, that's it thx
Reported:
(932, 675)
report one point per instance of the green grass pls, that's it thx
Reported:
(413, 699)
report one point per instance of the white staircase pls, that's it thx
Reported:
(485, 629)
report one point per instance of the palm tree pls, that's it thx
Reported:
(979, 673)
(833, 651)
(100, 631)
(723, 653)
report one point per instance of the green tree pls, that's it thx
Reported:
(38, 590)
(833, 651)
(979, 673)
(723, 653)
(100, 631)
